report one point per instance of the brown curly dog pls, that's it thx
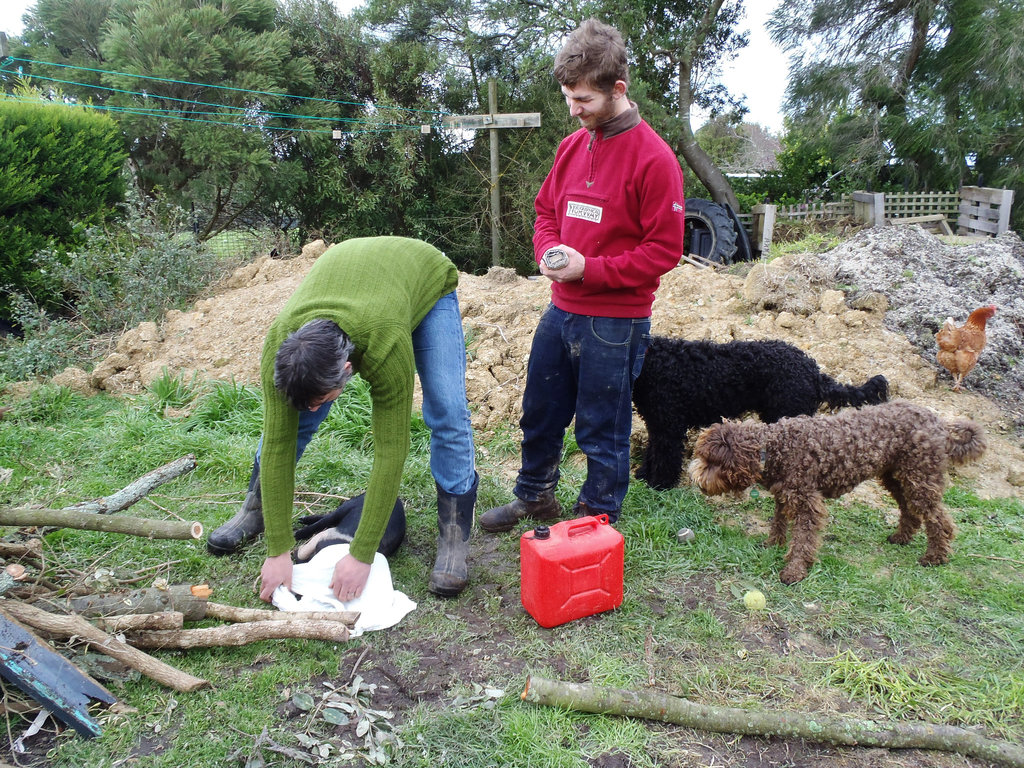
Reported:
(806, 459)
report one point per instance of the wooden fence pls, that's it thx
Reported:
(972, 211)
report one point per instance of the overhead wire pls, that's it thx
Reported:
(241, 110)
(170, 115)
(219, 87)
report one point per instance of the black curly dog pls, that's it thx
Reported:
(686, 384)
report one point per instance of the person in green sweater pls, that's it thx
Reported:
(385, 308)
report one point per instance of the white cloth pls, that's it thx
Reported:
(380, 605)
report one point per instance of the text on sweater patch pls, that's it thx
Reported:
(584, 211)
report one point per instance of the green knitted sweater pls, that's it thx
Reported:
(377, 289)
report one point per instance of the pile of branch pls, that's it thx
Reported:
(127, 623)
(154, 619)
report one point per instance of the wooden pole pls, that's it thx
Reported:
(494, 122)
(492, 106)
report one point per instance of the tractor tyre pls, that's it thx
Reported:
(710, 220)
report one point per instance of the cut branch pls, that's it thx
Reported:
(91, 521)
(135, 490)
(10, 576)
(789, 725)
(76, 626)
(231, 613)
(138, 622)
(188, 599)
(33, 548)
(242, 634)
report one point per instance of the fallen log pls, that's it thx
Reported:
(232, 613)
(830, 729)
(241, 634)
(76, 626)
(91, 521)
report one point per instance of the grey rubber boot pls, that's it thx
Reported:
(505, 518)
(245, 526)
(454, 523)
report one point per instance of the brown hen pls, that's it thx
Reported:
(959, 348)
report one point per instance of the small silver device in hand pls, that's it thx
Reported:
(555, 258)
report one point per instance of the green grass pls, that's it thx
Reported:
(870, 632)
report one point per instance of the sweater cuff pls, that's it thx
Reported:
(361, 552)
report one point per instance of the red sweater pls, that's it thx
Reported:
(618, 200)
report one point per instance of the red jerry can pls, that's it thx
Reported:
(571, 569)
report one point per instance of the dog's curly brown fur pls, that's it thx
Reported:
(807, 459)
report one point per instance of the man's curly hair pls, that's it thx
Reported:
(311, 362)
(594, 55)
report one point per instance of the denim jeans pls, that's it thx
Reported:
(440, 351)
(584, 366)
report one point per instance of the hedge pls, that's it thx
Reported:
(60, 171)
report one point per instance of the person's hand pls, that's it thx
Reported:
(350, 577)
(275, 572)
(571, 272)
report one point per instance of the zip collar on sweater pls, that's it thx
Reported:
(616, 125)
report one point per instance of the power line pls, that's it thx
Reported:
(220, 87)
(177, 116)
(245, 110)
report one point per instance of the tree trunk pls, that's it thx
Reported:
(830, 729)
(76, 626)
(699, 161)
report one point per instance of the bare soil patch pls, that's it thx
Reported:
(871, 305)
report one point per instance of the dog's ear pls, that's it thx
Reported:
(726, 458)
(709, 467)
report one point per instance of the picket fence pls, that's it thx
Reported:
(971, 211)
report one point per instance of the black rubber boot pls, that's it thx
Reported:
(504, 518)
(245, 526)
(454, 523)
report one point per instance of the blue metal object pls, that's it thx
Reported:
(49, 678)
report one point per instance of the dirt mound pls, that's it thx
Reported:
(898, 285)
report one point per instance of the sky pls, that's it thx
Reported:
(759, 72)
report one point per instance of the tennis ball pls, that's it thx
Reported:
(754, 600)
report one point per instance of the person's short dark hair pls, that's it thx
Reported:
(311, 362)
(594, 55)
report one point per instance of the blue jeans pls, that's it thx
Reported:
(584, 366)
(440, 351)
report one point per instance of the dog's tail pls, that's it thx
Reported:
(875, 390)
(965, 441)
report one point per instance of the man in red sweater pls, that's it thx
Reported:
(613, 205)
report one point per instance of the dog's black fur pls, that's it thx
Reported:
(339, 526)
(687, 384)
